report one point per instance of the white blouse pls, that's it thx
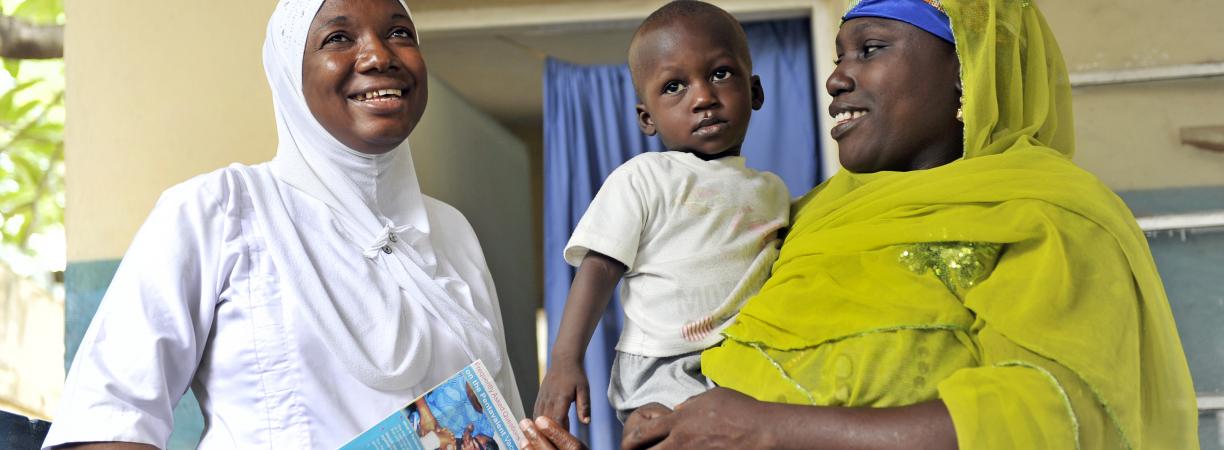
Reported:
(197, 303)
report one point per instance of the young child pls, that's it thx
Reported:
(692, 230)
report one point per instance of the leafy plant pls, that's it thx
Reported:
(32, 137)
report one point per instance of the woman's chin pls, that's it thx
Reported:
(374, 139)
(378, 144)
(854, 161)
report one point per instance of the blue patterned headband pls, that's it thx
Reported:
(925, 14)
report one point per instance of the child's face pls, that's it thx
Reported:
(697, 92)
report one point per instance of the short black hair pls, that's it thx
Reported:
(678, 10)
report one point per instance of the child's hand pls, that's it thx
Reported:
(564, 383)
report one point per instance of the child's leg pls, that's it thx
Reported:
(639, 380)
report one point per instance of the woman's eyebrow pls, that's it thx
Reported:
(333, 21)
(864, 25)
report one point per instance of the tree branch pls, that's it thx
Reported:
(23, 241)
(23, 40)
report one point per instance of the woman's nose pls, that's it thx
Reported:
(839, 82)
(375, 56)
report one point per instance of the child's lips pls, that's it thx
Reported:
(709, 126)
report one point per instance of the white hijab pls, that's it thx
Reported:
(385, 340)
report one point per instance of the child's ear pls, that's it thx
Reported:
(758, 93)
(645, 122)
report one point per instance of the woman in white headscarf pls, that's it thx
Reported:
(306, 298)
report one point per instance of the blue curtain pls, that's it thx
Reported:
(590, 128)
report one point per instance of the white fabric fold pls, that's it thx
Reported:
(384, 341)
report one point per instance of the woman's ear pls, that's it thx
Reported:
(758, 93)
(645, 122)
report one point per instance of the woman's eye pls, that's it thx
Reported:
(673, 87)
(335, 38)
(869, 49)
(402, 33)
(721, 74)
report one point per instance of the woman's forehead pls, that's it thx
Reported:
(341, 7)
(345, 12)
(864, 25)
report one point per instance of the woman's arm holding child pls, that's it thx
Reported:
(566, 382)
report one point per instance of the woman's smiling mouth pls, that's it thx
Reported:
(378, 95)
(380, 101)
(844, 121)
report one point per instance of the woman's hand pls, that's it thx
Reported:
(564, 383)
(546, 434)
(716, 419)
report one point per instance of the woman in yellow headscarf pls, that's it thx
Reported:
(961, 282)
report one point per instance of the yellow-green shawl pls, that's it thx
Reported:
(1061, 270)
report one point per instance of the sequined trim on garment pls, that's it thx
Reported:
(959, 265)
(935, 4)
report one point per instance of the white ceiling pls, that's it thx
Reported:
(502, 74)
(493, 51)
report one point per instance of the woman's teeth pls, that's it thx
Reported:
(847, 116)
(379, 93)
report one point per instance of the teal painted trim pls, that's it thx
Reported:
(84, 284)
(1191, 267)
(1174, 200)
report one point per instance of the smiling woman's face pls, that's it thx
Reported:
(363, 75)
(895, 94)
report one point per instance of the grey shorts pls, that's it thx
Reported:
(639, 380)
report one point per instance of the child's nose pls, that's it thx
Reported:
(703, 97)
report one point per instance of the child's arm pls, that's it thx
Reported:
(566, 382)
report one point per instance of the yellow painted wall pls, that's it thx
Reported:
(1128, 134)
(157, 92)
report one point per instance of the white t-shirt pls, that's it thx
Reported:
(197, 302)
(689, 231)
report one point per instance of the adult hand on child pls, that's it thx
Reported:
(716, 419)
(564, 383)
(639, 418)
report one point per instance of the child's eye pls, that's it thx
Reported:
(721, 74)
(673, 87)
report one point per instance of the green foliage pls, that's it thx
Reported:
(40, 11)
(31, 136)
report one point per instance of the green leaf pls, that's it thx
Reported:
(13, 66)
(6, 100)
(15, 115)
(47, 132)
(27, 169)
(40, 11)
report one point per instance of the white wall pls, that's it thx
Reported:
(467, 159)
